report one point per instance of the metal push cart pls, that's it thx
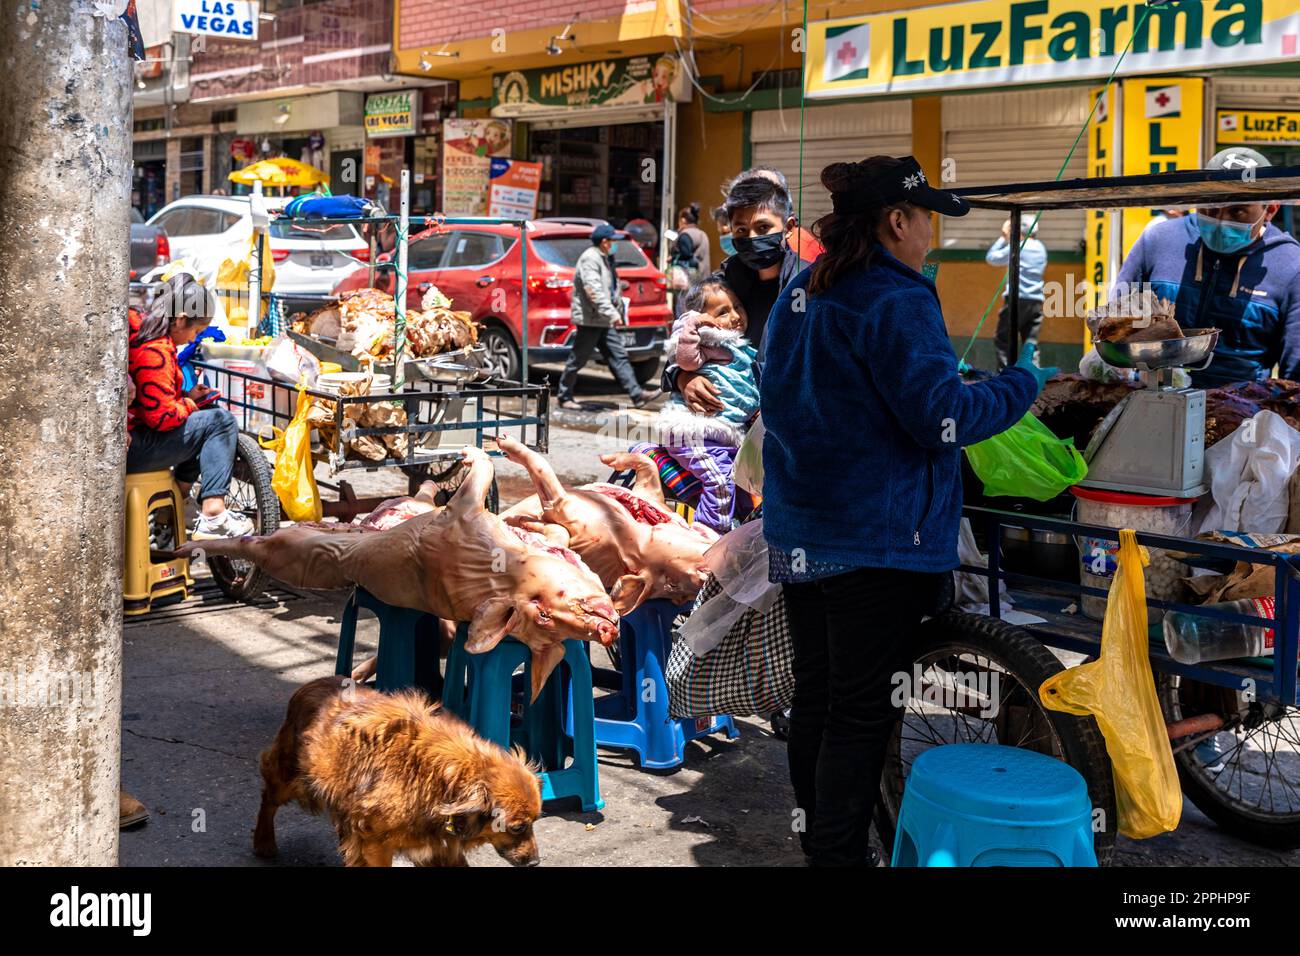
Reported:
(448, 401)
(1253, 788)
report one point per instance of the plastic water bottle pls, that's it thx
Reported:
(1191, 639)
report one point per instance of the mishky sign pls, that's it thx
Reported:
(995, 43)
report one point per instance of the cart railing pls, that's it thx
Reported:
(1075, 633)
(261, 403)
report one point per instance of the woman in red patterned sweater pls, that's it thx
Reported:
(172, 428)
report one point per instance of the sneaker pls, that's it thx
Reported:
(570, 405)
(646, 397)
(131, 812)
(228, 524)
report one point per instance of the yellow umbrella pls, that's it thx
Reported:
(279, 172)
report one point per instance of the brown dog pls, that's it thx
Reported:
(398, 775)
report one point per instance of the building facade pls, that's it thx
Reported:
(981, 92)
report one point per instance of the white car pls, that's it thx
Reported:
(309, 259)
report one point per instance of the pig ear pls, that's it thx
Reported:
(492, 620)
(629, 591)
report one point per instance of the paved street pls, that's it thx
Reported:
(206, 684)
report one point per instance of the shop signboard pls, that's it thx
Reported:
(986, 43)
(469, 145)
(1163, 119)
(626, 81)
(1101, 229)
(227, 19)
(1258, 127)
(393, 114)
(512, 188)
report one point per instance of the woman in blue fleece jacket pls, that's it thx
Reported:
(866, 417)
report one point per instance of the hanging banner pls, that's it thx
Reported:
(513, 188)
(983, 43)
(630, 81)
(1275, 128)
(227, 19)
(1163, 119)
(468, 148)
(1101, 226)
(393, 114)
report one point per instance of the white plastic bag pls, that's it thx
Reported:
(1249, 475)
(747, 473)
(287, 360)
(739, 564)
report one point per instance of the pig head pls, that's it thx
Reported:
(458, 562)
(638, 547)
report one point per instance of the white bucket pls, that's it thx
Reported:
(333, 381)
(1119, 509)
(236, 389)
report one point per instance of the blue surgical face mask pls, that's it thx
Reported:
(1226, 237)
(728, 245)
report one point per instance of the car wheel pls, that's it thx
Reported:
(501, 356)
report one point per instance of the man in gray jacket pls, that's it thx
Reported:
(597, 312)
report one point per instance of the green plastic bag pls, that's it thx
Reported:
(1027, 461)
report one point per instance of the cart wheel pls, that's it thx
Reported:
(447, 480)
(252, 495)
(1008, 665)
(1256, 794)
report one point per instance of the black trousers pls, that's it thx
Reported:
(610, 343)
(1027, 326)
(851, 633)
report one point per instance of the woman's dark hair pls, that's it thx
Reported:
(758, 192)
(693, 299)
(849, 238)
(181, 296)
(690, 213)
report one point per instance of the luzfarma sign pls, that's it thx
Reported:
(996, 43)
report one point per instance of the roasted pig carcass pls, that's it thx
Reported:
(367, 326)
(638, 547)
(459, 562)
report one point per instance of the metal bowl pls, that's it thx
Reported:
(1191, 351)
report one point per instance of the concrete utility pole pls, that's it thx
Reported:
(65, 174)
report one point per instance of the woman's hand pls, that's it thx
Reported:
(199, 393)
(699, 394)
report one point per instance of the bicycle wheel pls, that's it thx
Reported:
(250, 494)
(1256, 794)
(1003, 666)
(447, 481)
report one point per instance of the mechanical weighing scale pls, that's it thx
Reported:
(1153, 441)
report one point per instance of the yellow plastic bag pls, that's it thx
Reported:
(294, 478)
(1119, 690)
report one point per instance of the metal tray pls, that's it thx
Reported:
(449, 368)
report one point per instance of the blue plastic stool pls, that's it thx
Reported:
(408, 645)
(625, 719)
(481, 689)
(989, 805)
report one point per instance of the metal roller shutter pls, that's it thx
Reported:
(832, 134)
(1256, 93)
(1014, 137)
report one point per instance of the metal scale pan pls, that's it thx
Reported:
(1153, 441)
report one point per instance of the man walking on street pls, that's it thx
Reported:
(597, 312)
(1033, 260)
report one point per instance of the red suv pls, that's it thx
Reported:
(478, 268)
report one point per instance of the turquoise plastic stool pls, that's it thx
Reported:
(625, 719)
(481, 689)
(989, 805)
(408, 645)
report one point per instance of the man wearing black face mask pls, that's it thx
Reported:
(761, 216)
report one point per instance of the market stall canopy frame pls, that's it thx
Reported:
(1207, 187)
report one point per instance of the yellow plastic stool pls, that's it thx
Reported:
(148, 574)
